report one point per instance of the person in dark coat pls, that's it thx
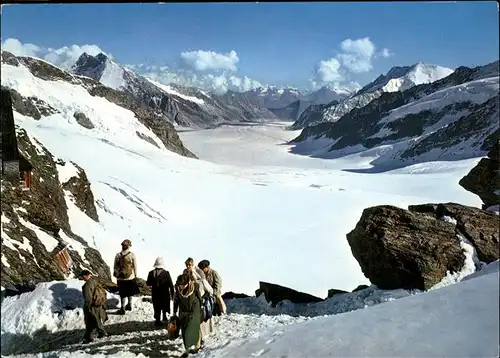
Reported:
(94, 313)
(162, 290)
(188, 301)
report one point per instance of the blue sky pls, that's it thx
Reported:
(276, 43)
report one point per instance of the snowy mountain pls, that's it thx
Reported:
(453, 118)
(181, 105)
(293, 111)
(38, 223)
(397, 79)
(278, 98)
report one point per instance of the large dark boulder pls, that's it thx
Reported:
(414, 249)
(276, 293)
(484, 179)
(397, 248)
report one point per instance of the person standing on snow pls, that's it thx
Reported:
(187, 300)
(215, 281)
(162, 290)
(125, 271)
(206, 327)
(94, 301)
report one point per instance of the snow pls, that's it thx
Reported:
(475, 91)
(460, 320)
(256, 211)
(66, 172)
(172, 91)
(48, 241)
(52, 313)
(112, 76)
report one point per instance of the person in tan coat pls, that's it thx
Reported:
(215, 281)
(125, 271)
(94, 301)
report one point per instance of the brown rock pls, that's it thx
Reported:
(478, 226)
(397, 248)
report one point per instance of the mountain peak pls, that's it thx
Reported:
(400, 78)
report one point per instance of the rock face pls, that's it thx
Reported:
(35, 224)
(275, 293)
(414, 249)
(79, 187)
(484, 179)
(478, 226)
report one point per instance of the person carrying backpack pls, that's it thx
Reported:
(125, 271)
(94, 301)
(162, 290)
(215, 281)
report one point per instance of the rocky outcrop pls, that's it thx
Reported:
(79, 187)
(333, 291)
(83, 120)
(276, 293)
(484, 179)
(359, 288)
(415, 248)
(231, 295)
(147, 138)
(35, 225)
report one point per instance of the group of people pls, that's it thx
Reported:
(196, 295)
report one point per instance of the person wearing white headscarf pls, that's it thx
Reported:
(162, 290)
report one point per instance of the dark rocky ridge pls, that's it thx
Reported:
(414, 249)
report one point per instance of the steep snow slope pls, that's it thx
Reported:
(456, 321)
(397, 79)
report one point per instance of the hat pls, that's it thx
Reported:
(203, 264)
(159, 263)
(84, 273)
(127, 242)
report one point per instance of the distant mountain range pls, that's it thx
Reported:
(454, 117)
(397, 79)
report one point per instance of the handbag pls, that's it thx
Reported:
(173, 327)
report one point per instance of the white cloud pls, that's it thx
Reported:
(329, 70)
(218, 83)
(63, 57)
(357, 54)
(386, 53)
(209, 60)
(355, 57)
(19, 49)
